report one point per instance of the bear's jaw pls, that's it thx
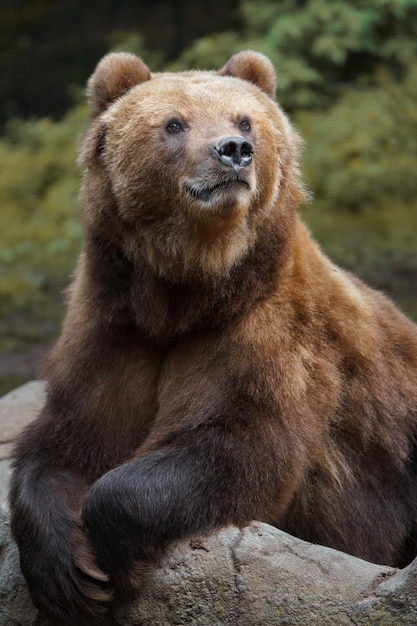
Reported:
(206, 193)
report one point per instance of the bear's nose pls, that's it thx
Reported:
(235, 152)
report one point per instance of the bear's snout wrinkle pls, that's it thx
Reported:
(235, 152)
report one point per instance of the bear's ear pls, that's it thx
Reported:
(115, 74)
(253, 67)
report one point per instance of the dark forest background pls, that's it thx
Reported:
(347, 75)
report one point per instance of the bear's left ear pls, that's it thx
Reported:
(253, 67)
(115, 74)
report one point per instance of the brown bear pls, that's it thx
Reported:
(214, 366)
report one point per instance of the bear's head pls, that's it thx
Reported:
(184, 170)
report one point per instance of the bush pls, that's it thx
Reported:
(319, 46)
(39, 222)
(363, 151)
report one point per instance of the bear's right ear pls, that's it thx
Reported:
(115, 74)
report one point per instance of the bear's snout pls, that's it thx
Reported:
(235, 152)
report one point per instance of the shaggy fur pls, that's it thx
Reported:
(214, 366)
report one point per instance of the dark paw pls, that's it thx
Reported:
(120, 525)
(67, 584)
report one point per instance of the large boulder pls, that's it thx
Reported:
(257, 575)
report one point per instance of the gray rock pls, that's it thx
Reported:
(258, 575)
(4, 483)
(16, 608)
(17, 409)
(255, 576)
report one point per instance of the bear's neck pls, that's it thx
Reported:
(165, 310)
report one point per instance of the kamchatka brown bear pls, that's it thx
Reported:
(214, 366)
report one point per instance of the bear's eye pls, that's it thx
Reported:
(174, 126)
(244, 125)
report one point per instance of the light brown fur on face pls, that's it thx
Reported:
(214, 366)
(178, 234)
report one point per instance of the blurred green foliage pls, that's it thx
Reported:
(39, 222)
(363, 150)
(360, 162)
(348, 75)
(317, 46)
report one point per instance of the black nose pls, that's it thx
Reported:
(235, 152)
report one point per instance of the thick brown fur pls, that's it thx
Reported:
(214, 366)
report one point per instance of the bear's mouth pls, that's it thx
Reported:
(204, 192)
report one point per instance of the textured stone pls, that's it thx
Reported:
(16, 608)
(17, 409)
(255, 576)
(4, 484)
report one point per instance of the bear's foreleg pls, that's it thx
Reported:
(55, 553)
(200, 481)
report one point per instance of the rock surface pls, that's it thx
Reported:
(255, 576)
(17, 409)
